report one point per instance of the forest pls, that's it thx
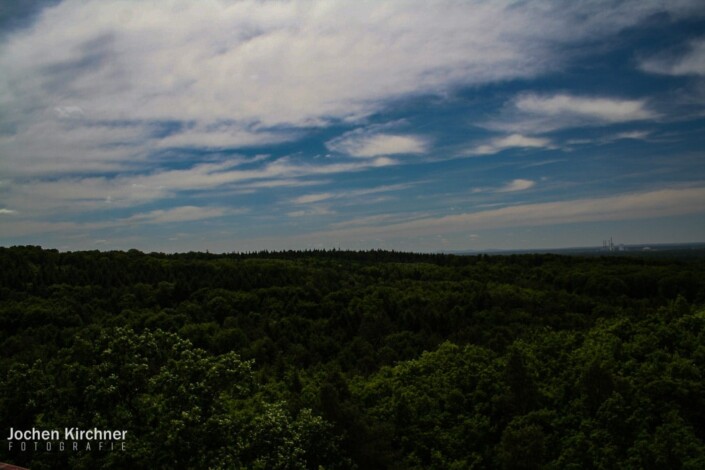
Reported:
(355, 360)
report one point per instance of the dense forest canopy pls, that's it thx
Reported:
(336, 359)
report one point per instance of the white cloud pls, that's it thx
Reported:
(545, 113)
(633, 135)
(177, 214)
(69, 111)
(511, 141)
(263, 67)
(5, 211)
(53, 145)
(98, 87)
(608, 110)
(659, 203)
(311, 211)
(366, 220)
(517, 185)
(690, 63)
(81, 194)
(223, 136)
(349, 194)
(362, 144)
(309, 198)
(282, 183)
(160, 216)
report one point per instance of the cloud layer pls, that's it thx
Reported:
(98, 79)
(365, 145)
(533, 113)
(692, 62)
(666, 202)
(300, 115)
(591, 109)
(511, 141)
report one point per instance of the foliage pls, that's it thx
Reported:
(356, 359)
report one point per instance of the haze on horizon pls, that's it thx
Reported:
(412, 125)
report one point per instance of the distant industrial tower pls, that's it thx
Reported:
(608, 245)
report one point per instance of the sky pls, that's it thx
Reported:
(219, 125)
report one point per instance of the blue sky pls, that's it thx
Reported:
(412, 125)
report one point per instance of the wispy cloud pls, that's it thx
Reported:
(363, 144)
(659, 203)
(178, 214)
(692, 62)
(532, 113)
(236, 74)
(349, 194)
(311, 211)
(75, 194)
(642, 135)
(365, 221)
(223, 137)
(279, 183)
(608, 110)
(517, 185)
(511, 141)
(633, 135)
(51, 146)
(309, 198)
(123, 114)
